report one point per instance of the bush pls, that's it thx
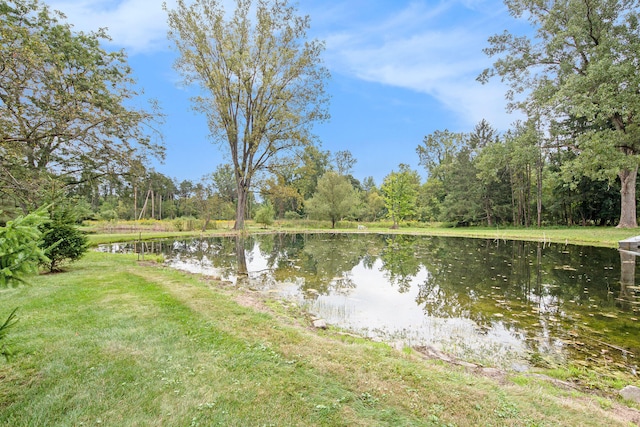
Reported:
(63, 241)
(108, 215)
(185, 223)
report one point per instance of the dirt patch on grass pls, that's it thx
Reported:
(252, 300)
(616, 411)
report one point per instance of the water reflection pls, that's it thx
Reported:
(627, 298)
(485, 300)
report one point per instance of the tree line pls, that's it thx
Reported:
(475, 178)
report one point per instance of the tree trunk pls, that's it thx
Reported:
(207, 217)
(539, 189)
(135, 202)
(526, 192)
(628, 198)
(243, 192)
(488, 211)
(144, 207)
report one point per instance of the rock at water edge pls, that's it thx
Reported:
(631, 392)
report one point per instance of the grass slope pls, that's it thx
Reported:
(113, 342)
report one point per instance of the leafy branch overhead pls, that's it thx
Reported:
(65, 104)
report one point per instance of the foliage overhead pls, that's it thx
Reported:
(65, 105)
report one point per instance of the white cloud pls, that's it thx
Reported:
(431, 49)
(428, 50)
(137, 25)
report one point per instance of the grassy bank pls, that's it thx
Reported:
(594, 236)
(115, 342)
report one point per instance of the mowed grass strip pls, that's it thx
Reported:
(591, 235)
(112, 342)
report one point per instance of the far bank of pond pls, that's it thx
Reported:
(102, 233)
(513, 304)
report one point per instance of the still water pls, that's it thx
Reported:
(507, 303)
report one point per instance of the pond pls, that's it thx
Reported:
(511, 304)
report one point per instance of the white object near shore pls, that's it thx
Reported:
(630, 244)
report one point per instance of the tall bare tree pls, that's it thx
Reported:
(262, 81)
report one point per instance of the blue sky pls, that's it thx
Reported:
(400, 70)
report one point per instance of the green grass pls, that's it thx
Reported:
(119, 343)
(593, 236)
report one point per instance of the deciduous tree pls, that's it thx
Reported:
(224, 182)
(280, 189)
(65, 110)
(344, 162)
(400, 192)
(581, 64)
(265, 214)
(334, 199)
(313, 163)
(262, 81)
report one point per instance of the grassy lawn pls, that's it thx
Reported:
(594, 236)
(116, 342)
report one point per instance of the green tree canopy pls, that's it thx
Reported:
(400, 192)
(265, 214)
(438, 151)
(281, 189)
(262, 81)
(333, 200)
(313, 163)
(581, 66)
(65, 105)
(344, 162)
